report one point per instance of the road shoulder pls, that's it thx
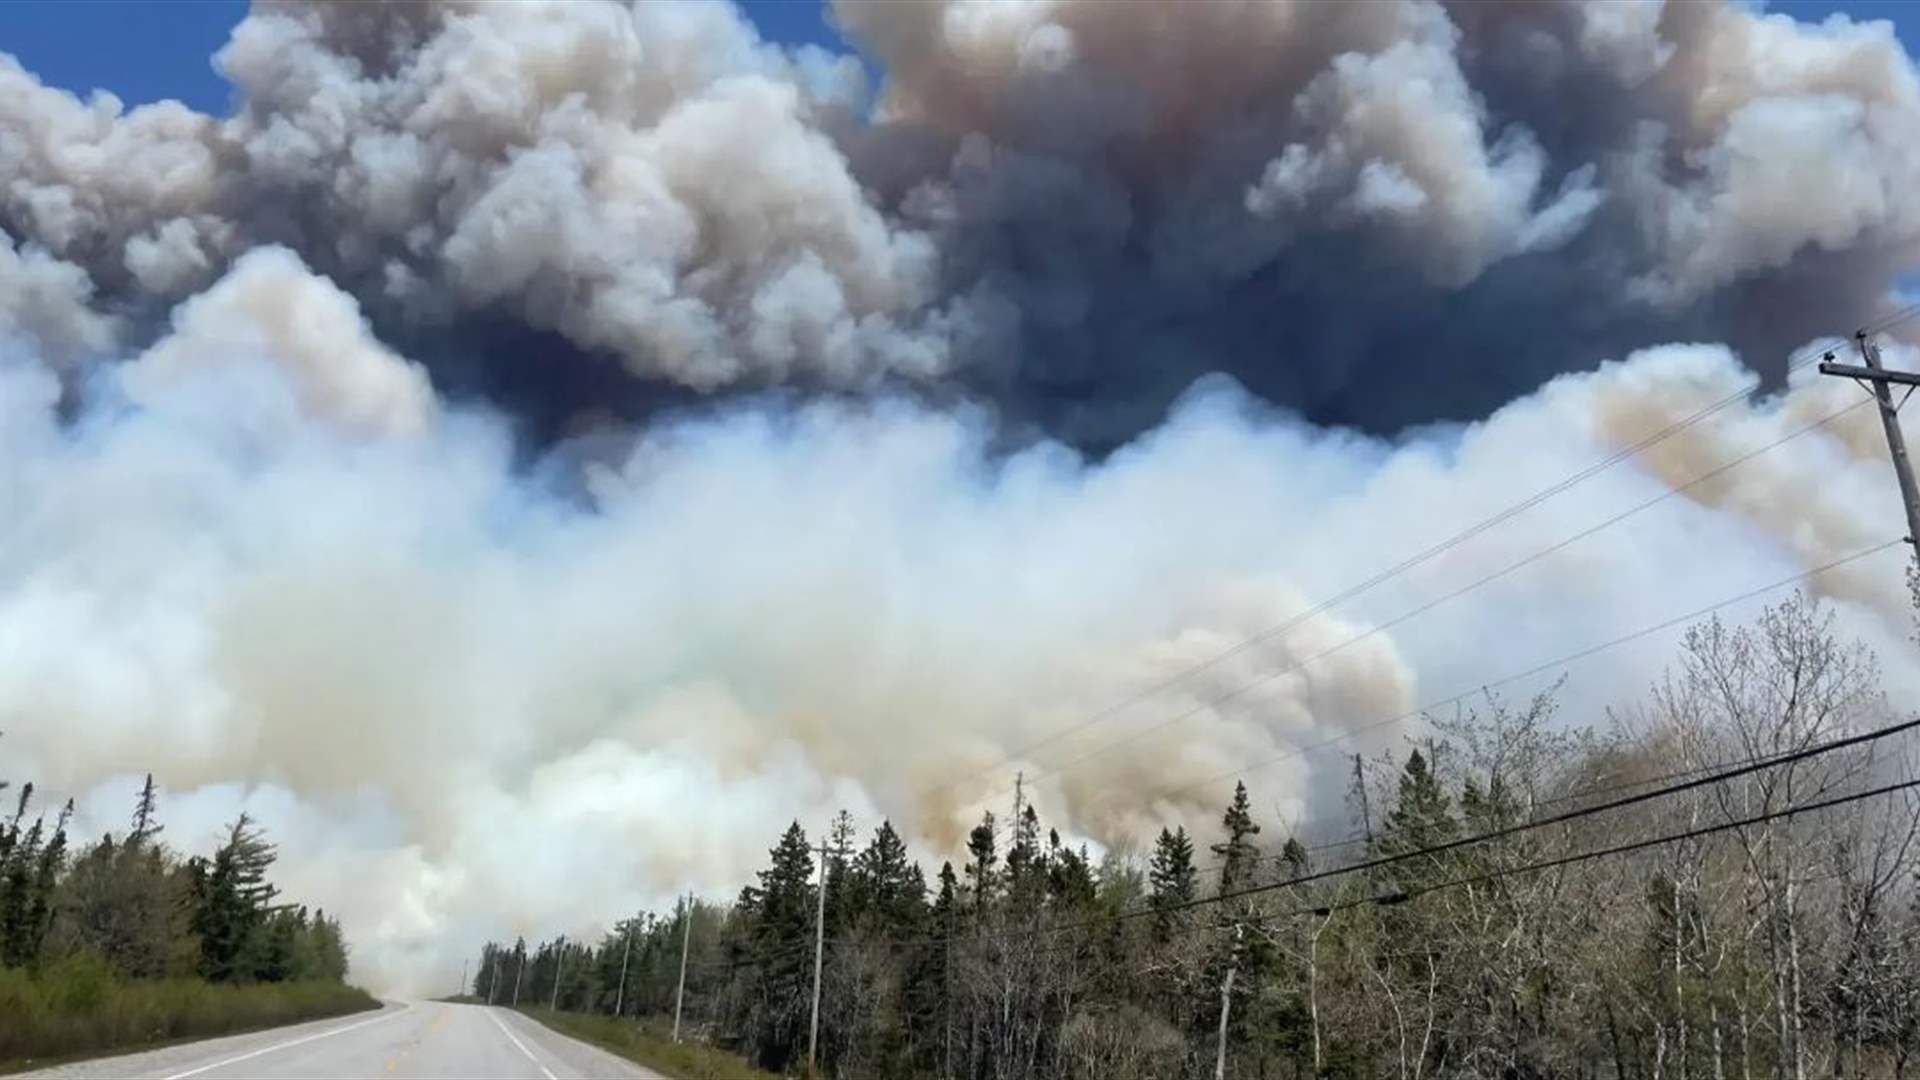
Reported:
(579, 1057)
(190, 1058)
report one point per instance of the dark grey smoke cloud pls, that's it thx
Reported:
(1385, 214)
(1377, 214)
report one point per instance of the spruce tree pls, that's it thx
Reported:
(231, 901)
(781, 952)
(1237, 853)
(1171, 876)
(146, 821)
(1070, 884)
(930, 989)
(1171, 873)
(983, 853)
(1422, 815)
(844, 902)
(1026, 867)
(891, 890)
(17, 877)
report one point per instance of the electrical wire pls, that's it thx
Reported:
(1429, 851)
(1358, 839)
(1404, 895)
(1477, 583)
(1409, 563)
(1518, 676)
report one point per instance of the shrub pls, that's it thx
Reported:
(77, 1007)
(649, 1045)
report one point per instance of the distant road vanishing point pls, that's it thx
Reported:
(420, 1039)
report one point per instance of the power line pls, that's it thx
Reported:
(1404, 895)
(1444, 598)
(1401, 896)
(1357, 839)
(1382, 861)
(1417, 559)
(1570, 815)
(1429, 851)
(1891, 319)
(1537, 669)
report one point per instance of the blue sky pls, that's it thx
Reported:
(146, 50)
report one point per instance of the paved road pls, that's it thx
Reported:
(426, 1039)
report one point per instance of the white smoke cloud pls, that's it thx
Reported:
(271, 308)
(445, 690)
(47, 302)
(259, 556)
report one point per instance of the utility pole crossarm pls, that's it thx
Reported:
(1879, 381)
(1854, 371)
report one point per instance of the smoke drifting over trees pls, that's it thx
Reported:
(1483, 917)
(518, 429)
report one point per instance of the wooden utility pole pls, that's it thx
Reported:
(1879, 381)
(519, 969)
(680, 991)
(1360, 789)
(626, 953)
(1226, 1006)
(559, 969)
(819, 952)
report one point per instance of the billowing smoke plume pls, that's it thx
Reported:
(926, 423)
(1378, 214)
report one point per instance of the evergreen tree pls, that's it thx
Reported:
(1171, 873)
(892, 891)
(983, 854)
(1026, 866)
(1293, 856)
(1422, 815)
(781, 951)
(18, 879)
(930, 988)
(845, 903)
(231, 901)
(1070, 883)
(329, 949)
(1172, 877)
(146, 821)
(1237, 853)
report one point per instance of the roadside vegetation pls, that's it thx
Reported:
(1738, 942)
(124, 944)
(650, 1044)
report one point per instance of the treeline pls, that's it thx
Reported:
(125, 925)
(1757, 944)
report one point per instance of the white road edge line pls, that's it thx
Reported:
(504, 1030)
(289, 1042)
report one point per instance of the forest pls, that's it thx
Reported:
(1718, 882)
(123, 942)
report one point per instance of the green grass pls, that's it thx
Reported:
(77, 1008)
(649, 1046)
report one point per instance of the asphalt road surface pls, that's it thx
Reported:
(426, 1039)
